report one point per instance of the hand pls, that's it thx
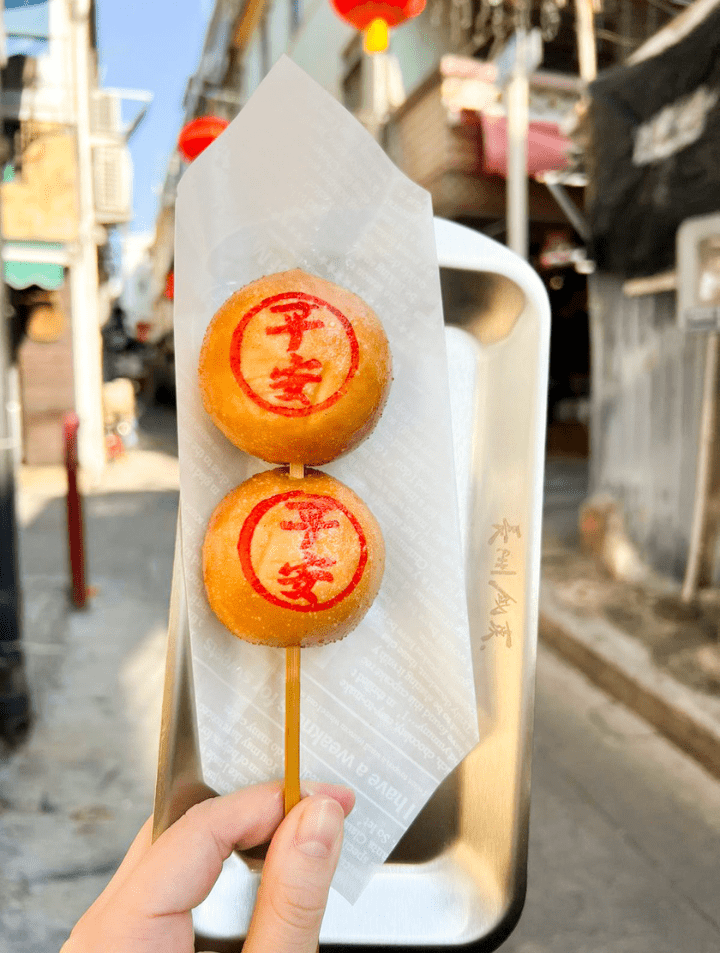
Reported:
(146, 906)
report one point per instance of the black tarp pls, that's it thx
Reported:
(635, 206)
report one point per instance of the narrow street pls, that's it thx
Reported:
(241, 207)
(624, 834)
(625, 830)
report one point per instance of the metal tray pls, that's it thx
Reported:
(457, 878)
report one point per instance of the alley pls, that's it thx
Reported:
(624, 833)
(625, 830)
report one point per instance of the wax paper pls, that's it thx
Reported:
(296, 182)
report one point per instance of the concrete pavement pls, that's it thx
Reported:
(640, 643)
(626, 668)
(74, 796)
(624, 832)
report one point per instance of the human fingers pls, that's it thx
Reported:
(143, 841)
(296, 878)
(179, 870)
(344, 796)
(208, 833)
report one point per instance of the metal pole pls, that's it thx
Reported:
(585, 30)
(87, 342)
(76, 533)
(14, 700)
(517, 98)
(703, 472)
(373, 107)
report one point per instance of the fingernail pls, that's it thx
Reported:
(319, 827)
(309, 788)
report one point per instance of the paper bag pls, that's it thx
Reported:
(296, 182)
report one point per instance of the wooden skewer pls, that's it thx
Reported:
(292, 707)
(292, 727)
(292, 730)
(292, 704)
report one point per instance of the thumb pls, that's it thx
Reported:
(296, 879)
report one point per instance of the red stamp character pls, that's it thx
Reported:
(311, 513)
(296, 321)
(291, 381)
(288, 544)
(258, 353)
(301, 578)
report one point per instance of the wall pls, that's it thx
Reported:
(318, 44)
(40, 204)
(47, 387)
(50, 98)
(646, 396)
(418, 46)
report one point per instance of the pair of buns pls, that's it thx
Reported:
(294, 370)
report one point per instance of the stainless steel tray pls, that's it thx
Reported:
(457, 878)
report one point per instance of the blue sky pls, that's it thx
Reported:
(154, 46)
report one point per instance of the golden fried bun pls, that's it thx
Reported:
(290, 561)
(294, 369)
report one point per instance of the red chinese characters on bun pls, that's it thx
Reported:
(294, 369)
(292, 561)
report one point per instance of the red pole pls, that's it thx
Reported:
(76, 541)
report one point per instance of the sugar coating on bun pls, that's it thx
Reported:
(295, 369)
(292, 561)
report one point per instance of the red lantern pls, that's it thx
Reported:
(375, 16)
(198, 134)
(170, 286)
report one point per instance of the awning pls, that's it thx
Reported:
(472, 97)
(23, 274)
(547, 147)
(35, 263)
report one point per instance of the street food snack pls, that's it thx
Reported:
(292, 562)
(295, 369)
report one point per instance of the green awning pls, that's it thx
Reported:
(23, 274)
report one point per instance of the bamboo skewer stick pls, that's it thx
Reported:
(292, 727)
(292, 705)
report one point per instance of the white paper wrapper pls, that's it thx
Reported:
(296, 182)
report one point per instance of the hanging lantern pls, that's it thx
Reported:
(170, 286)
(375, 17)
(198, 134)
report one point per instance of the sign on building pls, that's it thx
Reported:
(653, 155)
(698, 273)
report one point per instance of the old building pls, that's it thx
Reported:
(436, 102)
(67, 177)
(655, 156)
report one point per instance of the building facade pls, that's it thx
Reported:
(66, 179)
(436, 103)
(655, 375)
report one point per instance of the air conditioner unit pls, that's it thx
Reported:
(105, 115)
(112, 179)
